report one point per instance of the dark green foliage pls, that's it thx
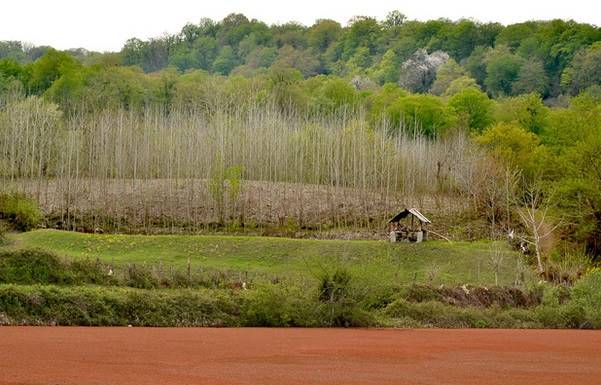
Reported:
(335, 287)
(584, 71)
(93, 306)
(537, 55)
(340, 298)
(502, 70)
(19, 211)
(338, 301)
(28, 267)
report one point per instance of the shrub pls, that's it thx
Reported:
(30, 266)
(570, 315)
(587, 293)
(140, 277)
(98, 306)
(422, 293)
(19, 211)
(341, 301)
(34, 266)
(279, 305)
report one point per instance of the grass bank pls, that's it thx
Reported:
(435, 262)
(39, 288)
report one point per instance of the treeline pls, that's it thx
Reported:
(548, 57)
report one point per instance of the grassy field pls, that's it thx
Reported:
(433, 262)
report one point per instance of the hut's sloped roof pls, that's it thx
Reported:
(414, 212)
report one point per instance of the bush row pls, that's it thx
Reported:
(269, 305)
(36, 266)
(336, 302)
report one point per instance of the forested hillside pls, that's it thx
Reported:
(548, 57)
(492, 129)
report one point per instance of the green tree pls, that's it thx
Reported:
(531, 78)
(49, 68)
(225, 61)
(475, 64)
(584, 71)
(460, 84)
(363, 32)
(303, 60)
(502, 71)
(516, 147)
(330, 94)
(474, 106)
(526, 110)
(323, 33)
(379, 101)
(445, 74)
(421, 113)
(394, 19)
(387, 71)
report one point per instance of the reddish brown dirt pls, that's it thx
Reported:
(107, 356)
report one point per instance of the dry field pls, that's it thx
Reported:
(187, 204)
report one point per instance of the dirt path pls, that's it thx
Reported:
(111, 356)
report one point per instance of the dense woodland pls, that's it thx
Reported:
(501, 122)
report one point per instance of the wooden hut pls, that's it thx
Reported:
(403, 229)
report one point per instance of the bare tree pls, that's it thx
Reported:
(535, 218)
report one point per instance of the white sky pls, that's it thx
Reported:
(105, 25)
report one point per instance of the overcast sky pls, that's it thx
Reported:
(104, 25)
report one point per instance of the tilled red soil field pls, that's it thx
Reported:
(107, 356)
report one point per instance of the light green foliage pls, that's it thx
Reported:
(363, 33)
(382, 99)
(10, 71)
(49, 68)
(359, 62)
(474, 107)
(573, 135)
(587, 293)
(445, 75)
(526, 110)
(330, 94)
(515, 146)
(19, 211)
(387, 70)
(224, 182)
(460, 84)
(491, 53)
(514, 34)
(421, 113)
